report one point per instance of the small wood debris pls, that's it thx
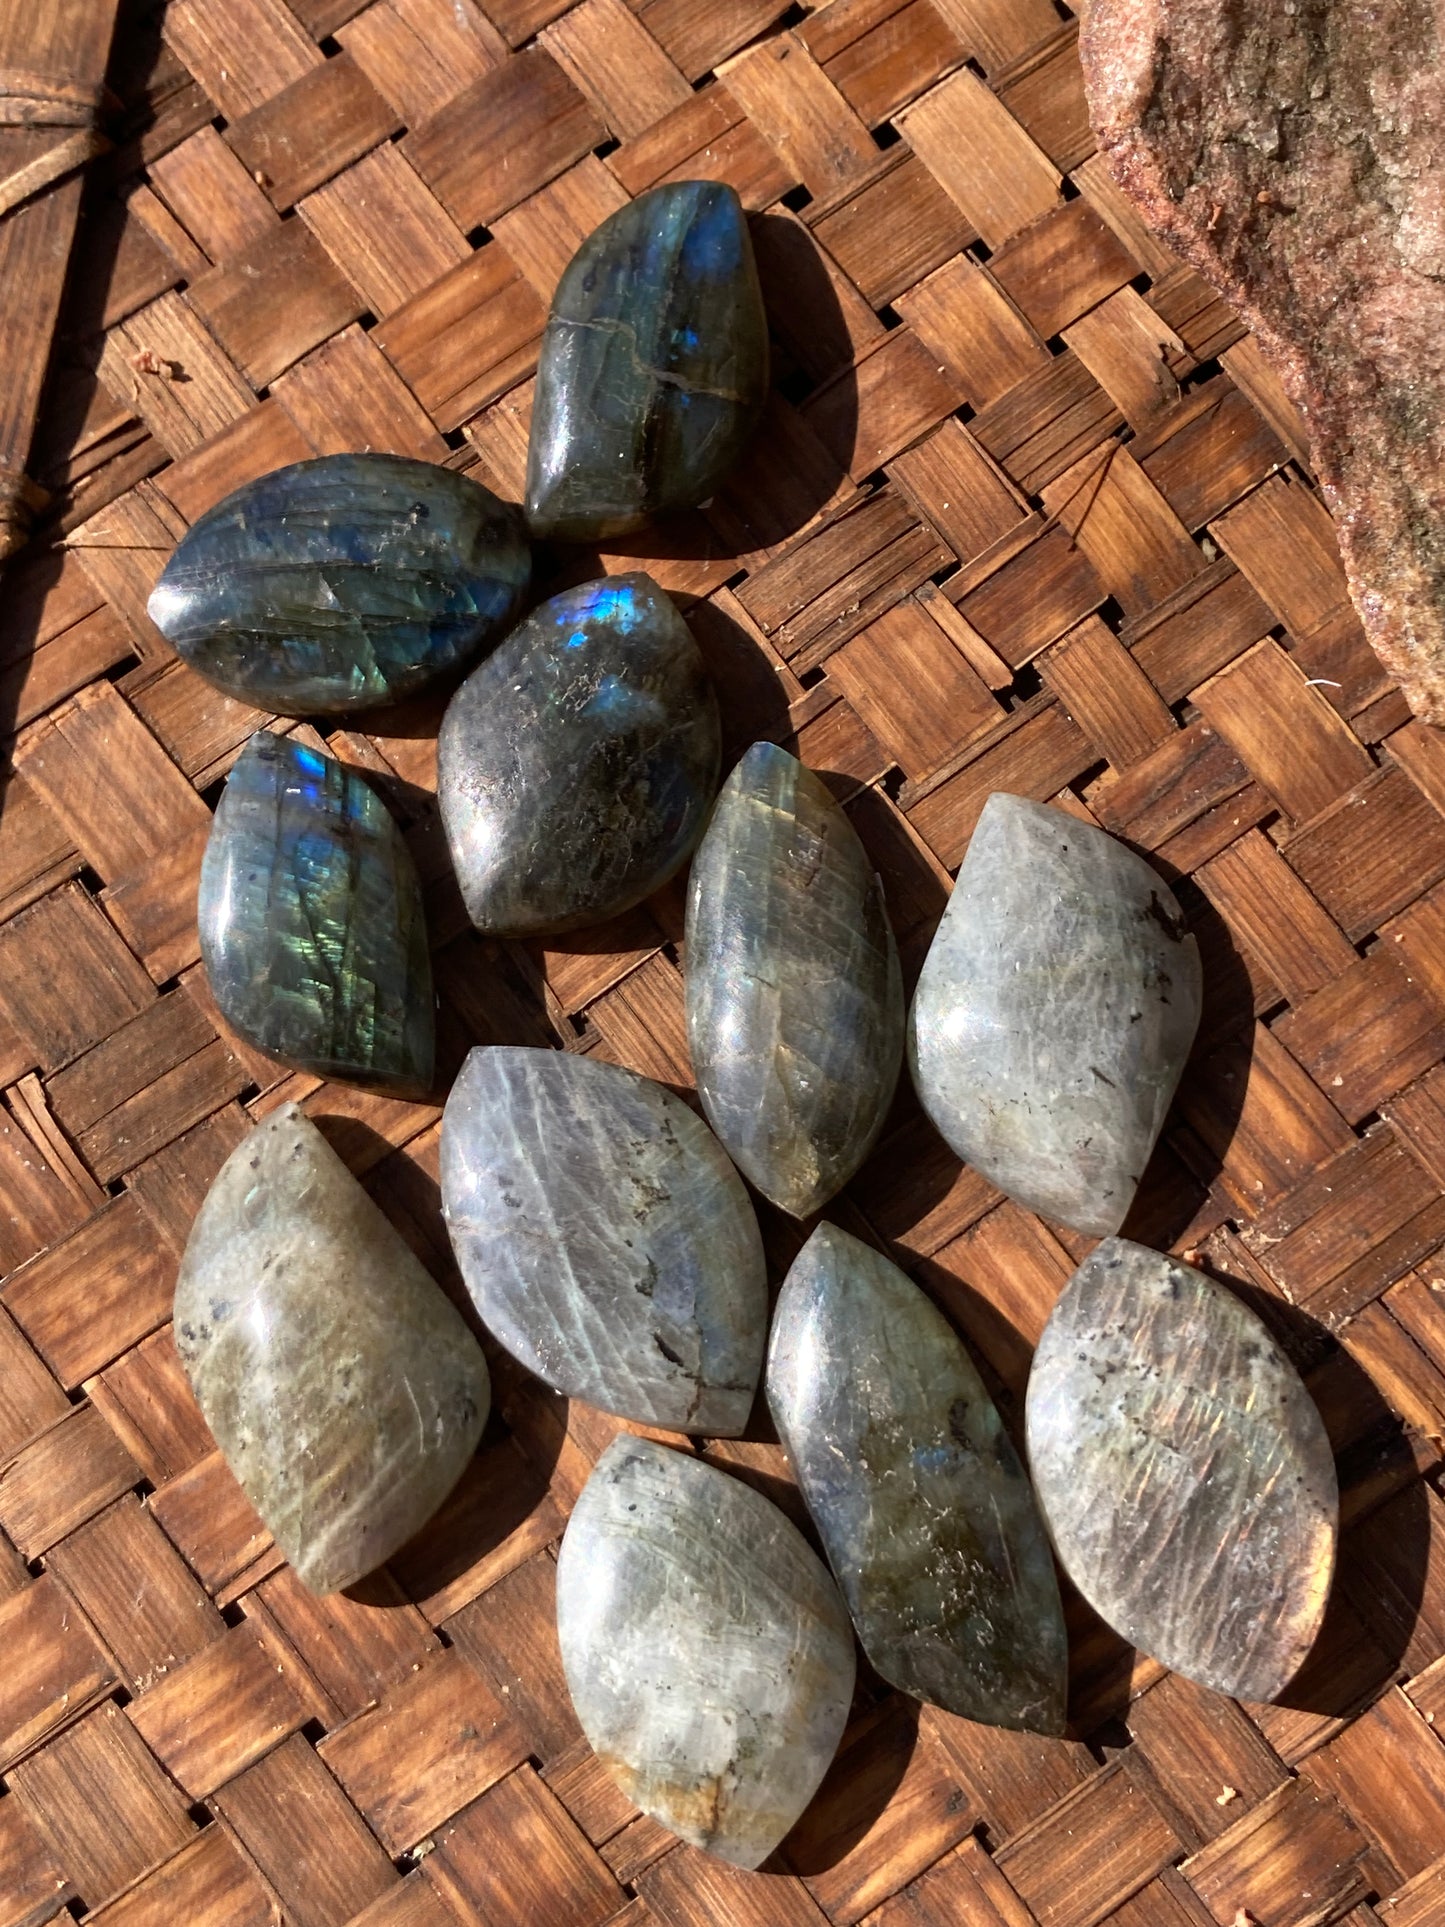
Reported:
(148, 362)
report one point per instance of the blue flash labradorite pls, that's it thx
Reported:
(576, 765)
(923, 1508)
(343, 583)
(311, 921)
(654, 365)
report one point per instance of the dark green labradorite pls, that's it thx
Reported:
(343, 583)
(654, 365)
(576, 764)
(311, 921)
(923, 1508)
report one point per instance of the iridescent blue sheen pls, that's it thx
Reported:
(576, 765)
(654, 365)
(311, 921)
(343, 583)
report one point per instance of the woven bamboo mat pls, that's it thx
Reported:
(1029, 513)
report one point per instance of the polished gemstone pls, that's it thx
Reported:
(654, 365)
(344, 1390)
(923, 1508)
(311, 921)
(1183, 1470)
(604, 1237)
(575, 766)
(794, 996)
(343, 583)
(1054, 1012)
(706, 1649)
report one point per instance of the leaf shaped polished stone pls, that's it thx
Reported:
(706, 1649)
(605, 1238)
(575, 766)
(1183, 1471)
(924, 1511)
(343, 1388)
(794, 997)
(1054, 1013)
(653, 368)
(311, 921)
(343, 583)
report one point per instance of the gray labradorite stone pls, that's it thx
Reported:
(794, 997)
(311, 921)
(605, 1238)
(1183, 1471)
(924, 1510)
(343, 1388)
(343, 583)
(1054, 1012)
(575, 766)
(654, 365)
(706, 1649)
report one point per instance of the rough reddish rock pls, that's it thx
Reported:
(1293, 151)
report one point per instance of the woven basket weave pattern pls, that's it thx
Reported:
(1028, 512)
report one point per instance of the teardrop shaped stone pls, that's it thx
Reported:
(1183, 1471)
(575, 766)
(311, 921)
(923, 1508)
(654, 365)
(706, 1649)
(1054, 1013)
(343, 583)
(605, 1239)
(794, 996)
(343, 1388)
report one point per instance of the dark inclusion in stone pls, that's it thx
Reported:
(918, 1495)
(576, 765)
(343, 583)
(1183, 1471)
(604, 1237)
(654, 365)
(794, 996)
(311, 921)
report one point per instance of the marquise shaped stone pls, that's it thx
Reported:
(604, 1237)
(1054, 1013)
(311, 922)
(705, 1647)
(654, 365)
(343, 583)
(1183, 1471)
(343, 1388)
(575, 766)
(924, 1510)
(794, 995)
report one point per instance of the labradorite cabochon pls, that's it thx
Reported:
(604, 1237)
(575, 765)
(924, 1510)
(653, 368)
(1183, 1471)
(705, 1647)
(341, 1385)
(343, 583)
(311, 923)
(794, 996)
(1054, 1013)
